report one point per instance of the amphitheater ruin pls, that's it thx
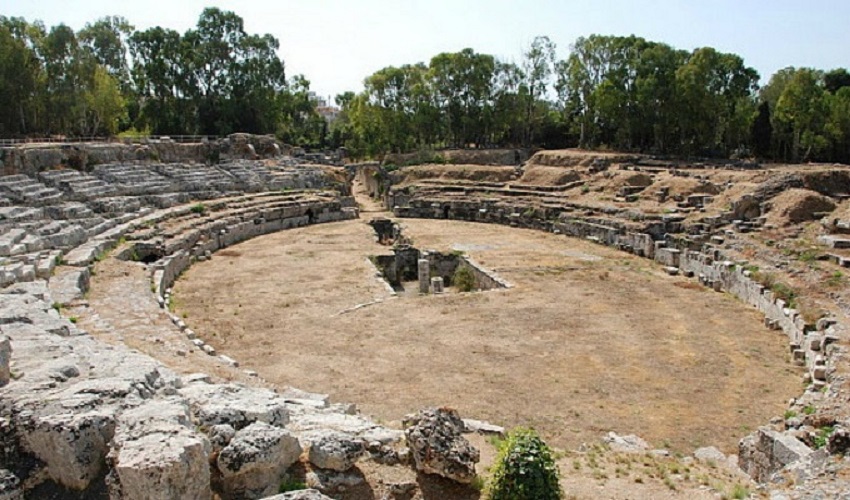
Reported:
(227, 318)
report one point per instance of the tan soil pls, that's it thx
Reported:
(589, 340)
(797, 205)
(577, 157)
(548, 176)
(479, 173)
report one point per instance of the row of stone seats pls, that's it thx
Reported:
(80, 410)
(77, 185)
(198, 178)
(134, 180)
(26, 190)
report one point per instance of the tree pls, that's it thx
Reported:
(802, 108)
(835, 80)
(20, 77)
(106, 104)
(106, 41)
(538, 63)
(762, 131)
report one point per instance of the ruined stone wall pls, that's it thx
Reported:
(32, 159)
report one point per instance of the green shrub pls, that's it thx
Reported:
(463, 279)
(199, 208)
(524, 469)
(291, 485)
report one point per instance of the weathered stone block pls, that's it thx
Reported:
(256, 459)
(435, 440)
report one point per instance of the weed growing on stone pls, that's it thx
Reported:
(291, 485)
(198, 208)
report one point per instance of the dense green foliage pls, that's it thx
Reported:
(610, 92)
(214, 79)
(622, 93)
(524, 469)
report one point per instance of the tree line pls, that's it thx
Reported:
(620, 93)
(214, 79)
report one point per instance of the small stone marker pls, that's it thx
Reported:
(437, 285)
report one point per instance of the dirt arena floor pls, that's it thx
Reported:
(589, 340)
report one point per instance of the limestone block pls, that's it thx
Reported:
(766, 451)
(169, 462)
(256, 459)
(234, 405)
(10, 486)
(625, 444)
(5, 358)
(710, 454)
(335, 451)
(69, 285)
(73, 446)
(435, 440)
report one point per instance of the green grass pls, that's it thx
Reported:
(199, 208)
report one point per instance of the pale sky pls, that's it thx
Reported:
(337, 43)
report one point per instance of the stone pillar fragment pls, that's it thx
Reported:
(424, 275)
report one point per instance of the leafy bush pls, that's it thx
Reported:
(524, 469)
(289, 484)
(463, 279)
(199, 208)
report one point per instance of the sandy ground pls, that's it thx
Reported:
(590, 340)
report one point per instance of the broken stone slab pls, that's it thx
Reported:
(69, 285)
(335, 451)
(435, 441)
(237, 406)
(256, 459)
(306, 421)
(625, 444)
(297, 396)
(479, 427)
(766, 451)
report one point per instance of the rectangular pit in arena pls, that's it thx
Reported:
(410, 271)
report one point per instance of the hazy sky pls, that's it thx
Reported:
(336, 43)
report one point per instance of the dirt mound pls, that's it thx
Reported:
(829, 182)
(797, 205)
(485, 156)
(459, 157)
(477, 173)
(613, 181)
(548, 176)
(579, 158)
